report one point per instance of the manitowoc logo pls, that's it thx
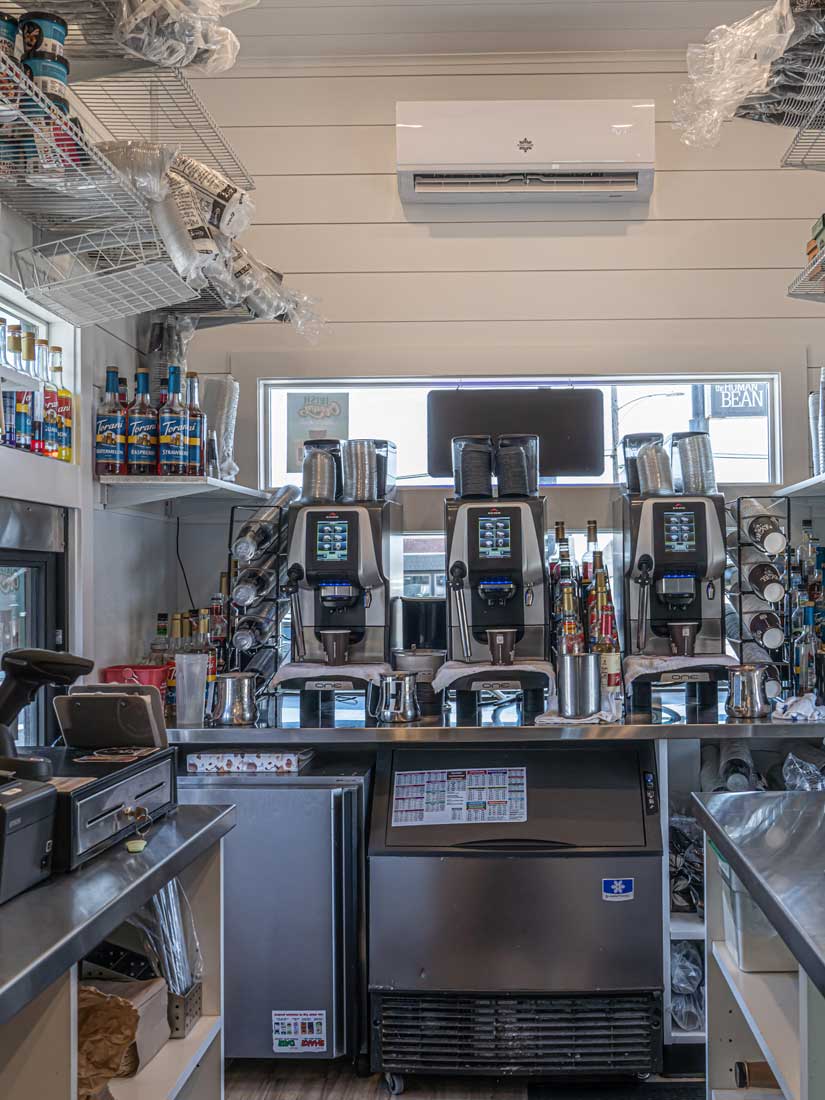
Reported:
(525, 145)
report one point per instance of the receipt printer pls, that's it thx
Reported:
(27, 809)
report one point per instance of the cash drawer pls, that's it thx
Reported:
(100, 816)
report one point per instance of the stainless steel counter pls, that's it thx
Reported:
(46, 930)
(360, 737)
(775, 842)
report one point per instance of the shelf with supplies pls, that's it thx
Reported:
(129, 491)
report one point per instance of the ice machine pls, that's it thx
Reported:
(515, 912)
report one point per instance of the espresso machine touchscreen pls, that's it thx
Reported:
(680, 532)
(332, 540)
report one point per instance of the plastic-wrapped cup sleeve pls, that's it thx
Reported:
(175, 236)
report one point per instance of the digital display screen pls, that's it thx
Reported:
(332, 540)
(680, 532)
(494, 537)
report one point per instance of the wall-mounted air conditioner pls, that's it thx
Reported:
(529, 150)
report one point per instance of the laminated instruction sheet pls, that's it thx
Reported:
(459, 796)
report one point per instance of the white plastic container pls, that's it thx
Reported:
(754, 943)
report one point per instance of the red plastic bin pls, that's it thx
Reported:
(135, 674)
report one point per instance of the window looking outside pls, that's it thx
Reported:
(739, 412)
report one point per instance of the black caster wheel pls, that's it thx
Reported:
(395, 1083)
(361, 1065)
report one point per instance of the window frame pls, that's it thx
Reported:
(269, 430)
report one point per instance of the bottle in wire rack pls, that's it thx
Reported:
(587, 566)
(175, 646)
(197, 425)
(202, 643)
(173, 430)
(610, 658)
(51, 403)
(219, 629)
(110, 430)
(142, 448)
(23, 408)
(41, 373)
(65, 406)
(9, 395)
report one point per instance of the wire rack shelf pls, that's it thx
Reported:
(102, 275)
(807, 112)
(50, 171)
(810, 284)
(160, 105)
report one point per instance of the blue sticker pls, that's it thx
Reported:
(618, 889)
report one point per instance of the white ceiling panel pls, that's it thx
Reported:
(339, 28)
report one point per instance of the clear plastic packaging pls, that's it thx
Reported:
(168, 221)
(733, 63)
(688, 1010)
(177, 33)
(228, 208)
(686, 967)
(144, 163)
(800, 775)
(170, 937)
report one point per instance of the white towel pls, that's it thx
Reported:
(637, 665)
(454, 670)
(610, 714)
(798, 709)
(308, 670)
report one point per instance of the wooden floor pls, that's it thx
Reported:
(246, 1080)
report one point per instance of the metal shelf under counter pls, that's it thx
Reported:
(367, 737)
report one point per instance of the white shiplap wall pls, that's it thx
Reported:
(699, 277)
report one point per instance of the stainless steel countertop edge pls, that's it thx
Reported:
(44, 963)
(451, 736)
(809, 956)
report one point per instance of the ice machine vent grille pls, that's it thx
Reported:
(549, 183)
(564, 1035)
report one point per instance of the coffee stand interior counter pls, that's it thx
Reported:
(341, 774)
(47, 930)
(766, 939)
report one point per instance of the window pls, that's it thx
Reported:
(424, 567)
(739, 412)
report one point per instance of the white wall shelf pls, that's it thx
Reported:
(679, 1036)
(769, 1003)
(687, 926)
(173, 1067)
(131, 491)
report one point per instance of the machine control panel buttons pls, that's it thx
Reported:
(651, 793)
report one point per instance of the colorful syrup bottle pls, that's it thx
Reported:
(110, 430)
(173, 431)
(142, 448)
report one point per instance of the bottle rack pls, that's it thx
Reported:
(780, 509)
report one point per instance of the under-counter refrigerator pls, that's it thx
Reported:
(294, 917)
(33, 597)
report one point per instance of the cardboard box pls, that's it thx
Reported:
(150, 1000)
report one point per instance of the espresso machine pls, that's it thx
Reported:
(498, 586)
(343, 569)
(671, 556)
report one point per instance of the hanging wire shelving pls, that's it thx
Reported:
(160, 105)
(807, 113)
(102, 275)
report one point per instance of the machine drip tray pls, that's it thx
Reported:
(646, 1090)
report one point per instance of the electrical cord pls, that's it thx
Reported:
(180, 563)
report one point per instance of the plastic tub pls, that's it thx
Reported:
(47, 71)
(752, 939)
(8, 33)
(155, 675)
(43, 32)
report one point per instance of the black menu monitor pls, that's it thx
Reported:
(568, 421)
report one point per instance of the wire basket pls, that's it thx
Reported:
(102, 275)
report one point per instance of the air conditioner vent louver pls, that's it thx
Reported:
(480, 183)
(562, 1035)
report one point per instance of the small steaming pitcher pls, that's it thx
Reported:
(397, 699)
